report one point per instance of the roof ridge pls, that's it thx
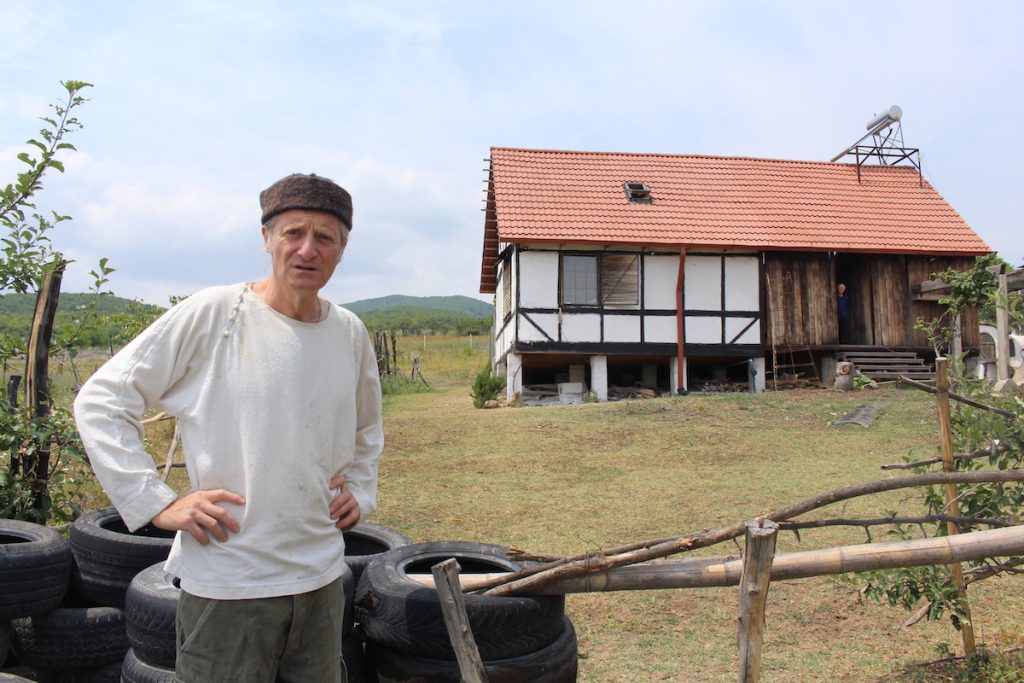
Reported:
(665, 155)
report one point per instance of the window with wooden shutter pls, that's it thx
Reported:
(506, 291)
(620, 279)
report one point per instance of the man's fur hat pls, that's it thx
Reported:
(311, 192)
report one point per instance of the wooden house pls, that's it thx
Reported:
(655, 269)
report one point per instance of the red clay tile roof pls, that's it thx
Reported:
(717, 202)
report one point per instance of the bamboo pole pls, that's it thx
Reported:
(1002, 330)
(757, 569)
(952, 507)
(721, 572)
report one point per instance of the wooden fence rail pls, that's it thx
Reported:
(717, 572)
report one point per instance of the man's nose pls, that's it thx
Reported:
(307, 249)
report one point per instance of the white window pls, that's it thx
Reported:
(579, 280)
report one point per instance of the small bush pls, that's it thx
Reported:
(486, 387)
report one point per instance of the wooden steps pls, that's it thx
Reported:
(888, 365)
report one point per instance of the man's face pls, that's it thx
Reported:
(841, 288)
(305, 248)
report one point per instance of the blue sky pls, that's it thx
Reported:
(198, 105)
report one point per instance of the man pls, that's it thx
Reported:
(843, 306)
(278, 401)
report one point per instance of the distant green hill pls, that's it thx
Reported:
(462, 305)
(113, 318)
(69, 302)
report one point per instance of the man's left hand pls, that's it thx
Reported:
(344, 509)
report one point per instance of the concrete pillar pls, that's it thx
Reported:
(513, 376)
(756, 373)
(599, 376)
(673, 375)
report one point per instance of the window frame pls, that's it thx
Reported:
(603, 274)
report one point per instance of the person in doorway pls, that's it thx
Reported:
(278, 401)
(843, 306)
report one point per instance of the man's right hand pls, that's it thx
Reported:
(197, 513)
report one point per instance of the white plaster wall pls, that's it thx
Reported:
(622, 328)
(734, 325)
(703, 285)
(581, 328)
(545, 321)
(660, 329)
(660, 274)
(742, 278)
(703, 330)
(538, 279)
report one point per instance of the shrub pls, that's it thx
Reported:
(486, 387)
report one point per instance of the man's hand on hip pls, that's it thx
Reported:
(344, 509)
(198, 514)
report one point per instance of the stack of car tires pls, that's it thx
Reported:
(100, 609)
(520, 639)
(64, 600)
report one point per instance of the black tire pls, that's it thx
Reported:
(366, 541)
(151, 607)
(108, 673)
(71, 638)
(5, 641)
(354, 658)
(348, 581)
(555, 663)
(134, 670)
(400, 614)
(108, 556)
(35, 564)
(10, 676)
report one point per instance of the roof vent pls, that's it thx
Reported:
(637, 192)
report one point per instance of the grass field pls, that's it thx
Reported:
(567, 479)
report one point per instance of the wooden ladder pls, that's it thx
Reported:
(795, 356)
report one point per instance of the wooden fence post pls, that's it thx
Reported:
(757, 569)
(36, 467)
(952, 508)
(453, 607)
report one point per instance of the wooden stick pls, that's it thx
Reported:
(453, 608)
(957, 397)
(724, 571)
(529, 580)
(986, 452)
(757, 569)
(952, 507)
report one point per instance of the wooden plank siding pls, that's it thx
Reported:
(921, 268)
(800, 299)
(890, 300)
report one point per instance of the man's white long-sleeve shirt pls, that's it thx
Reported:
(270, 408)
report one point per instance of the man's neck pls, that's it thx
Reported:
(299, 305)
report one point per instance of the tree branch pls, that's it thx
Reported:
(957, 397)
(881, 521)
(988, 451)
